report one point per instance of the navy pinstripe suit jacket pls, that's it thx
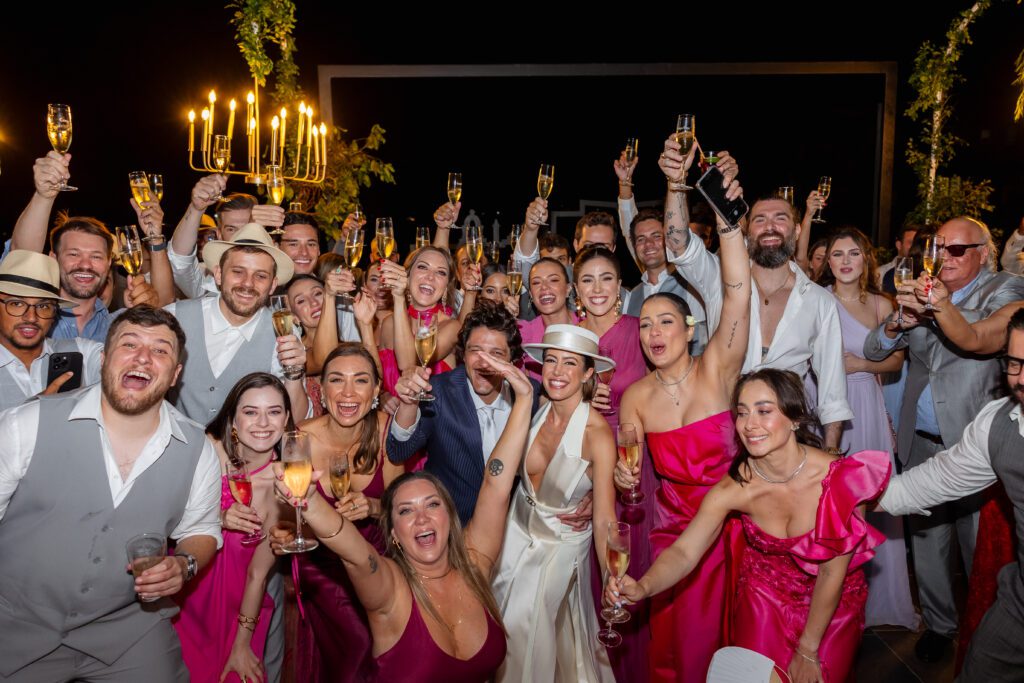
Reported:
(450, 432)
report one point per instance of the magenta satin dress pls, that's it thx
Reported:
(334, 643)
(689, 622)
(777, 575)
(208, 619)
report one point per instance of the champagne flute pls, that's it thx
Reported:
(240, 486)
(298, 472)
(58, 129)
(514, 277)
(156, 182)
(824, 189)
(422, 236)
(129, 249)
(629, 453)
(515, 236)
(475, 247)
(617, 553)
(493, 251)
(686, 132)
(545, 182)
(786, 192)
(454, 188)
(631, 149)
(353, 251)
(141, 190)
(284, 325)
(385, 239)
(275, 184)
(221, 156)
(903, 274)
(294, 206)
(341, 475)
(426, 344)
(934, 252)
(145, 551)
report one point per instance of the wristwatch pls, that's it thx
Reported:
(191, 566)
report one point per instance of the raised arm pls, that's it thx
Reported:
(803, 242)
(486, 531)
(444, 219)
(151, 220)
(47, 173)
(984, 336)
(402, 339)
(627, 204)
(528, 250)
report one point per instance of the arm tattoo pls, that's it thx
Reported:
(495, 467)
(734, 285)
(670, 215)
(373, 564)
(732, 333)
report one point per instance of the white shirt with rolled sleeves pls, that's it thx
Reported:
(20, 426)
(959, 471)
(808, 336)
(190, 276)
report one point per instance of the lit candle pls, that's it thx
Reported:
(213, 100)
(231, 118)
(274, 125)
(323, 143)
(206, 129)
(316, 146)
(252, 140)
(191, 130)
(302, 122)
(250, 99)
(284, 119)
(309, 133)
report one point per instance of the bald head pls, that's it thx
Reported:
(958, 271)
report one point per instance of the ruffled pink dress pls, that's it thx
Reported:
(777, 575)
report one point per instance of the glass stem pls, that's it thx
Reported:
(299, 540)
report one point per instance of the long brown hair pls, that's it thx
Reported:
(458, 554)
(221, 427)
(869, 276)
(365, 459)
(448, 296)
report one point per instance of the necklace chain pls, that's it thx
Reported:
(665, 385)
(774, 291)
(758, 472)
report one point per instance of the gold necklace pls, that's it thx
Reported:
(665, 385)
(859, 297)
(437, 610)
(774, 291)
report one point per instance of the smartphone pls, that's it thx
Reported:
(60, 363)
(730, 211)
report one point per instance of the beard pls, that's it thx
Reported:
(131, 403)
(772, 257)
(237, 308)
(80, 291)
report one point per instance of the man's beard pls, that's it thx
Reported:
(131, 404)
(772, 257)
(237, 309)
(82, 291)
(17, 342)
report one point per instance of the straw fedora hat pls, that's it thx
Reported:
(251, 235)
(32, 274)
(570, 338)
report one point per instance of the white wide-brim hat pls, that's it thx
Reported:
(32, 274)
(251, 235)
(570, 338)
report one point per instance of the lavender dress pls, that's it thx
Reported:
(889, 600)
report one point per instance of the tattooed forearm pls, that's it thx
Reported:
(732, 333)
(733, 285)
(495, 467)
(373, 564)
(670, 215)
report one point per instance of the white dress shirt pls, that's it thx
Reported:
(19, 428)
(808, 336)
(502, 408)
(954, 473)
(33, 380)
(223, 340)
(1011, 260)
(190, 276)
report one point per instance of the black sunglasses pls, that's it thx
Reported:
(958, 250)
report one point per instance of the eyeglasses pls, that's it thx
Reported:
(958, 250)
(1011, 365)
(18, 308)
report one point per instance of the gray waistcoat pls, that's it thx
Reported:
(12, 394)
(62, 570)
(1006, 452)
(200, 395)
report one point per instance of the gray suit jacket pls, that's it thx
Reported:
(961, 382)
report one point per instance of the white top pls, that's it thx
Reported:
(223, 340)
(33, 380)
(19, 427)
(808, 336)
(1012, 259)
(190, 277)
(958, 471)
(502, 409)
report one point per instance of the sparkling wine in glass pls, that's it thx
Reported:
(545, 182)
(240, 485)
(631, 149)
(145, 551)
(514, 236)
(493, 251)
(353, 247)
(514, 277)
(475, 247)
(629, 453)
(454, 188)
(786, 192)
(58, 129)
(426, 345)
(824, 189)
(284, 325)
(139, 182)
(275, 184)
(617, 553)
(156, 182)
(685, 135)
(422, 236)
(298, 473)
(129, 249)
(341, 475)
(931, 259)
(903, 274)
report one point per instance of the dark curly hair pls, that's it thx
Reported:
(495, 317)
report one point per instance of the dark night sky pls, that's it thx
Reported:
(131, 71)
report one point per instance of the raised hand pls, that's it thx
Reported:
(536, 214)
(206, 191)
(515, 377)
(446, 215)
(49, 171)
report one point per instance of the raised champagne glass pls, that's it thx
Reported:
(786, 192)
(340, 473)
(515, 236)
(385, 239)
(426, 345)
(129, 249)
(422, 236)
(298, 473)
(275, 184)
(631, 149)
(514, 277)
(475, 247)
(824, 189)
(493, 251)
(903, 274)
(58, 129)
(617, 554)
(545, 182)
(931, 260)
(685, 135)
(629, 453)
(145, 551)
(454, 188)
(156, 183)
(284, 325)
(240, 485)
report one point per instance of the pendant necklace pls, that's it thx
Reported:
(774, 291)
(665, 385)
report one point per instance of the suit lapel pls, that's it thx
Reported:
(465, 412)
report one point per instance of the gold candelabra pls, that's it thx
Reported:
(315, 143)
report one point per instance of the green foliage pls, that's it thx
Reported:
(258, 22)
(953, 196)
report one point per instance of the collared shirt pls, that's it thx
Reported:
(502, 409)
(190, 276)
(20, 426)
(223, 340)
(32, 380)
(808, 336)
(958, 471)
(96, 329)
(652, 288)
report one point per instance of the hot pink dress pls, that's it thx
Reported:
(689, 622)
(777, 575)
(209, 606)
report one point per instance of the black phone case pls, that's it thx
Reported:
(65, 362)
(710, 185)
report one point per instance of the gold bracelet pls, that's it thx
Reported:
(340, 527)
(248, 623)
(813, 660)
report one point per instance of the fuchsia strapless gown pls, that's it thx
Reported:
(690, 620)
(777, 575)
